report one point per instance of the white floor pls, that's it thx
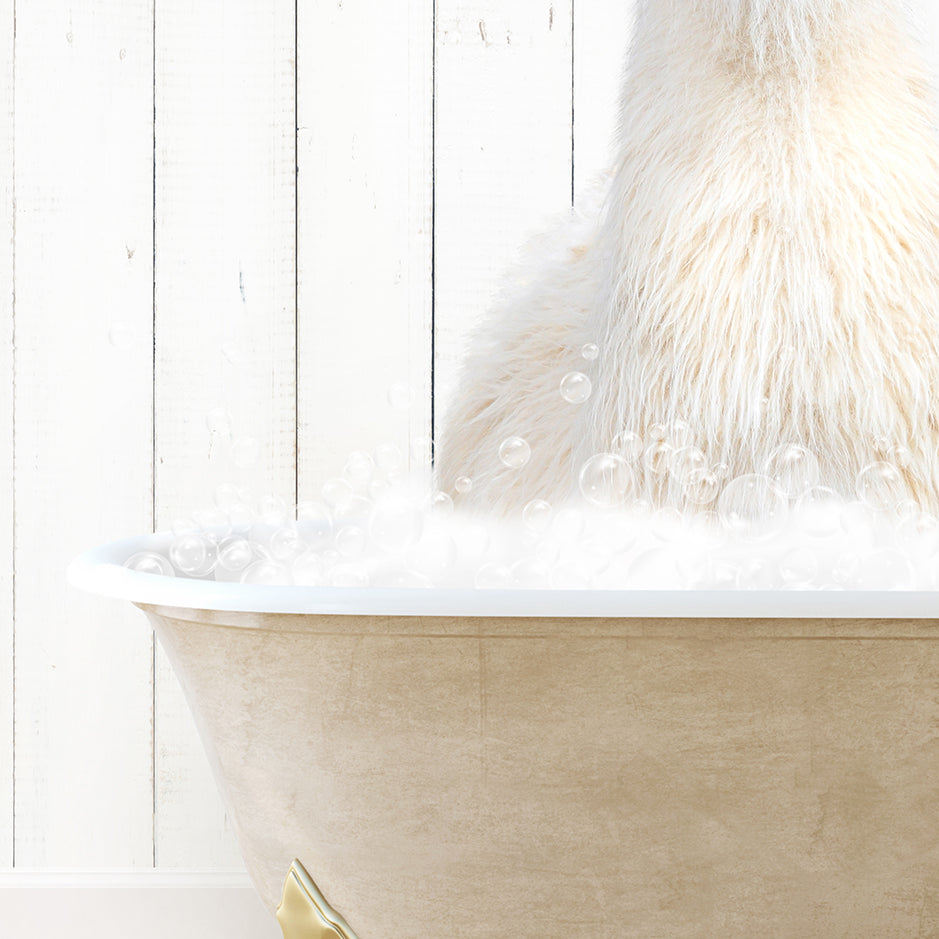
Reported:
(145, 906)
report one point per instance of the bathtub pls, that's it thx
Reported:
(545, 764)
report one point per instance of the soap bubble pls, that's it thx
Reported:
(568, 524)
(234, 353)
(819, 512)
(590, 351)
(265, 573)
(752, 507)
(314, 523)
(900, 456)
(679, 434)
(227, 495)
(214, 523)
(880, 486)
(493, 576)
(286, 543)
(657, 458)
(218, 421)
(399, 396)
(463, 485)
(441, 503)
(395, 523)
(273, 510)
(628, 445)
(701, 487)
(348, 575)
(757, 574)
(919, 533)
(388, 459)
(606, 480)
(798, 567)
(883, 569)
(793, 469)
(245, 452)
(150, 562)
(514, 452)
(657, 433)
(358, 470)
(529, 574)
(575, 387)
(685, 461)
(655, 569)
(235, 554)
(536, 515)
(122, 335)
(192, 554)
(351, 541)
(336, 491)
(435, 553)
(308, 570)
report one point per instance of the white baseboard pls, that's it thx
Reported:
(142, 904)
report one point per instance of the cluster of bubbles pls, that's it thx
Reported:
(372, 526)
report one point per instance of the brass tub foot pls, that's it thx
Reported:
(304, 913)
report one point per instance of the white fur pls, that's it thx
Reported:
(765, 265)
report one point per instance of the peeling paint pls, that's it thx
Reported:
(550, 18)
(482, 32)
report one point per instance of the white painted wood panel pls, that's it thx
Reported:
(365, 84)
(225, 308)
(503, 149)
(83, 452)
(6, 434)
(602, 32)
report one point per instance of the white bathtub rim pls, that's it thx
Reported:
(101, 571)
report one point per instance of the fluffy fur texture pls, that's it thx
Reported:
(765, 265)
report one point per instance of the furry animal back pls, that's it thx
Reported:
(764, 269)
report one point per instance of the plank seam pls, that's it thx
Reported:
(573, 17)
(153, 432)
(13, 449)
(433, 237)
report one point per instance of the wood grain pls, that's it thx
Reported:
(225, 305)
(503, 145)
(83, 131)
(365, 85)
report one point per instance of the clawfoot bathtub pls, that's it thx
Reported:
(543, 764)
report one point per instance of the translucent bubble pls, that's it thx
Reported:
(399, 396)
(227, 495)
(819, 512)
(679, 434)
(150, 562)
(798, 567)
(657, 433)
(657, 458)
(529, 574)
(265, 573)
(192, 554)
(286, 543)
(758, 574)
(234, 353)
(514, 452)
(752, 507)
(900, 456)
(494, 576)
(308, 570)
(273, 510)
(536, 515)
(235, 554)
(245, 452)
(575, 387)
(590, 351)
(628, 445)
(568, 524)
(793, 469)
(441, 503)
(214, 523)
(919, 533)
(241, 516)
(435, 554)
(314, 523)
(358, 469)
(395, 524)
(388, 459)
(348, 575)
(880, 486)
(687, 460)
(884, 569)
(183, 526)
(655, 569)
(336, 491)
(570, 575)
(122, 335)
(218, 421)
(355, 509)
(463, 485)
(606, 480)
(404, 580)
(701, 487)
(351, 541)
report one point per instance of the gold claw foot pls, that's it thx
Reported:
(304, 913)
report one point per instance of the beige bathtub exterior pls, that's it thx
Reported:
(460, 778)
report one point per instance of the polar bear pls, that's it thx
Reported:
(763, 270)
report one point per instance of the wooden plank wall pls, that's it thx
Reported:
(234, 230)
